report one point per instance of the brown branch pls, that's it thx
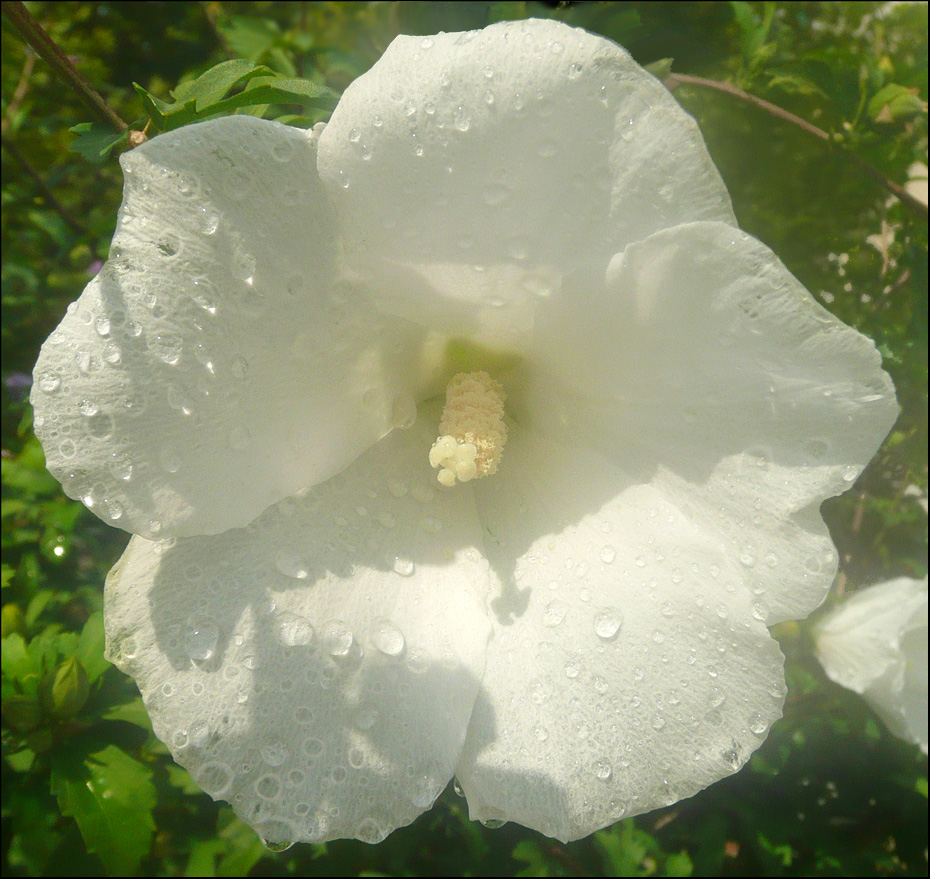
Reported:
(49, 196)
(34, 34)
(675, 79)
(20, 92)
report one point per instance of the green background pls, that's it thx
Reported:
(85, 784)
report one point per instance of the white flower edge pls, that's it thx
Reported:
(219, 361)
(875, 644)
(317, 669)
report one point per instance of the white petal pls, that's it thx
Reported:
(318, 668)
(876, 645)
(513, 154)
(710, 369)
(626, 669)
(215, 365)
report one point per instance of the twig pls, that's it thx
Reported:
(19, 94)
(47, 193)
(675, 79)
(35, 36)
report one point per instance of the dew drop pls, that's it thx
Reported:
(337, 638)
(388, 638)
(607, 623)
(603, 770)
(292, 565)
(403, 566)
(554, 613)
(403, 412)
(293, 630)
(274, 753)
(49, 382)
(200, 641)
(608, 554)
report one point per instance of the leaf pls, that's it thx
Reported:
(18, 663)
(894, 102)
(214, 84)
(250, 37)
(277, 91)
(679, 865)
(111, 796)
(130, 712)
(660, 69)
(90, 647)
(96, 141)
(794, 84)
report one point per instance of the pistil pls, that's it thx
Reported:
(472, 429)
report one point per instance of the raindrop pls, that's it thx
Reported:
(292, 565)
(608, 554)
(404, 567)
(607, 623)
(293, 630)
(388, 638)
(554, 613)
(403, 412)
(337, 638)
(603, 770)
(200, 641)
(49, 382)
(274, 753)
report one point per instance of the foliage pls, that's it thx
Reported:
(85, 783)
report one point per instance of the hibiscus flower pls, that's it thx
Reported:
(347, 585)
(875, 644)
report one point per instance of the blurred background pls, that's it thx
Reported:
(88, 789)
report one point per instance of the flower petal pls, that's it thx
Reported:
(709, 369)
(484, 165)
(215, 365)
(875, 644)
(318, 668)
(626, 670)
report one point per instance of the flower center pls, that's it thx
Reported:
(472, 430)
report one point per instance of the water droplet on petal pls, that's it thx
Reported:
(200, 641)
(607, 623)
(388, 638)
(337, 638)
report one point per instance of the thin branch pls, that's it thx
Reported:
(49, 196)
(35, 36)
(20, 92)
(675, 79)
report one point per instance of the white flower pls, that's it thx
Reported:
(323, 633)
(875, 644)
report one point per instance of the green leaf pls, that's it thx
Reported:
(90, 648)
(96, 141)
(111, 796)
(166, 116)
(660, 69)
(894, 102)
(679, 865)
(202, 860)
(250, 37)
(130, 712)
(278, 91)
(18, 663)
(214, 84)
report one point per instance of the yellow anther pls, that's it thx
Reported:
(472, 429)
